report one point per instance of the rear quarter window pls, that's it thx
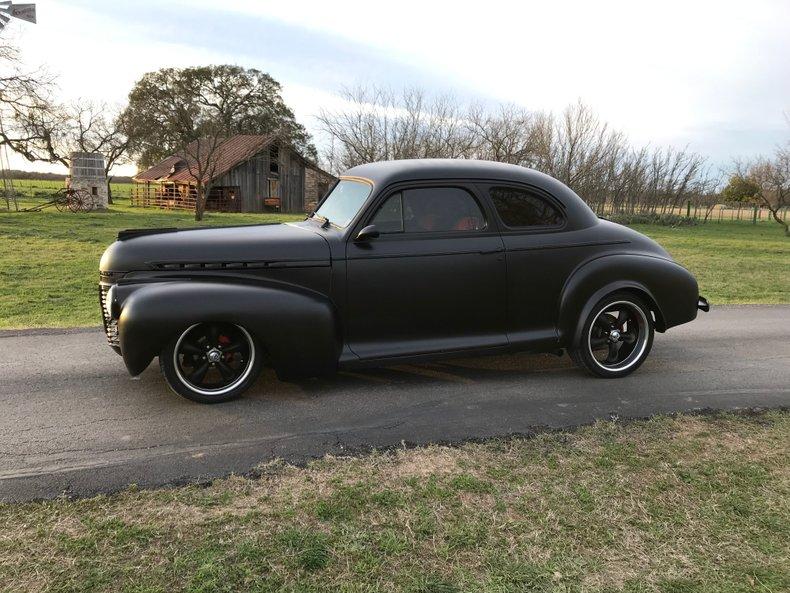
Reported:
(519, 208)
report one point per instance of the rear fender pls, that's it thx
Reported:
(667, 288)
(298, 329)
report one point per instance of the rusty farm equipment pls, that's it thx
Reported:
(67, 199)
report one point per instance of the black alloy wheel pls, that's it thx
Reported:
(211, 362)
(617, 336)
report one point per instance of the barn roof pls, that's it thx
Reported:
(229, 153)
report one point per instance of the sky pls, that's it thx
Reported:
(713, 76)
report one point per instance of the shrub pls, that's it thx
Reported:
(674, 220)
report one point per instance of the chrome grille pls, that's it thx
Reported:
(110, 325)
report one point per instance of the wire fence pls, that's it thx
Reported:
(35, 191)
(717, 213)
(31, 191)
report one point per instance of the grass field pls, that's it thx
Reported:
(734, 262)
(37, 190)
(672, 505)
(49, 260)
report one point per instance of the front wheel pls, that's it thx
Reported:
(211, 362)
(616, 337)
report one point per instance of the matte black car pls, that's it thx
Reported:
(402, 261)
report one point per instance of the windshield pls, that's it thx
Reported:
(343, 203)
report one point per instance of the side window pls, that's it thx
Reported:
(441, 209)
(389, 218)
(521, 208)
(426, 210)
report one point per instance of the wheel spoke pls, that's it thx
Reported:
(198, 374)
(622, 317)
(598, 343)
(628, 337)
(226, 372)
(191, 348)
(614, 348)
(232, 347)
(601, 324)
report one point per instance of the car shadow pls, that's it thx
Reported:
(461, 371)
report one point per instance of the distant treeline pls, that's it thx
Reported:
(574, 146)
(16, 174)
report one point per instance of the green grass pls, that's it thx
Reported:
(734, 262)
(684, 504)
(38, 190)
(49, 260)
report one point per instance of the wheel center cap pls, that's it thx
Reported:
(614, 335)
(214, 355)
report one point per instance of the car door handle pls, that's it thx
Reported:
(488, 251)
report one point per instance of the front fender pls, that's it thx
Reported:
(299, 329)
(669, 289)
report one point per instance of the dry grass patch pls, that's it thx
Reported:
(694, 503)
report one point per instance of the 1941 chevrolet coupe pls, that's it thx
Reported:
(402, 261)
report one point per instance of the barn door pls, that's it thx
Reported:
(273, 201)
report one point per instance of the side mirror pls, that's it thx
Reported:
(368, 233)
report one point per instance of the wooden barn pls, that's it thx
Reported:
(252, 174)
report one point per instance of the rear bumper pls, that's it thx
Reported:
(703, 305)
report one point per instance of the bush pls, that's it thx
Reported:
(674, 220)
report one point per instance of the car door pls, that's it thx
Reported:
(434, 279)
(540, 255)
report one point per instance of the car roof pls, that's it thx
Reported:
(384, 173)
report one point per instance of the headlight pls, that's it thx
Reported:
(108, 301)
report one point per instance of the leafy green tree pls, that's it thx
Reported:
(741, 188)
(172, 107)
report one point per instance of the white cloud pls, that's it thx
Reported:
(94, 57)
(657, 70)
(679, 72)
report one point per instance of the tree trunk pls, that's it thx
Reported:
(109, 191)
(202, 192)
(777, 218)
(200, 202)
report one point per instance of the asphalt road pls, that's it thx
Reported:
(74, 422)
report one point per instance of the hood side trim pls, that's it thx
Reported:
(238, 265)
(132, 233)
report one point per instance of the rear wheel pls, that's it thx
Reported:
(211, 362)
(616, 337)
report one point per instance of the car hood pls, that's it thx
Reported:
(219, 247)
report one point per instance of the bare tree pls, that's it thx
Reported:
(772, 176)
(50, 132)
(30, 123)
(575, 146)
(35, 126)
(509, 134)
(377, 124)
(200, 159)
(99, 127)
